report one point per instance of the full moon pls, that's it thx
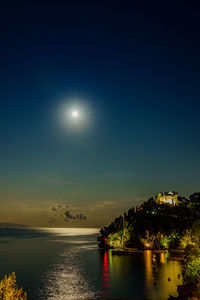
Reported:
(75, 114)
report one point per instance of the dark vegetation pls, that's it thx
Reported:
(155, 225)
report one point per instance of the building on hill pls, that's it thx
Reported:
(167, 198)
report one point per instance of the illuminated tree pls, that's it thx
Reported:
(9, 289)
(192, 272)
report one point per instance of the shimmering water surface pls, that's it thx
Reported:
(67, 264)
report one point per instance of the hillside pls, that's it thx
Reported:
(155, 225)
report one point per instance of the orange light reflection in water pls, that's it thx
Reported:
(157, 271)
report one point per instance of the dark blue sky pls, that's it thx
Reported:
(134, 67)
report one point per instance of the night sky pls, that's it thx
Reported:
(132, 70)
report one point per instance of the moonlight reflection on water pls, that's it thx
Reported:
(67, 281)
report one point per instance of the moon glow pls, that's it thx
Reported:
(75, 114)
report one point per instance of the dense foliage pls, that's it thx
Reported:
(9, 289)
(191, 269)
(155, 225)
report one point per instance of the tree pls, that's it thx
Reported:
(183, 201)
(195, 199)
(192, 272)
(9, 289)
(196, 228)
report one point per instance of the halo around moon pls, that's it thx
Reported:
(75, 114)
(74, 117)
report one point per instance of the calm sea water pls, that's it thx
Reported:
(67, 264)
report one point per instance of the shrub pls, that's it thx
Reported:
(9, 289)
(165, 242)
(192, 272)
(114, 239)
(187, 239)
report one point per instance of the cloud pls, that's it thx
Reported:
(68, 215)
(79, 216)
(63, 212)
(104, 204)
(53, 208)
(52, 220)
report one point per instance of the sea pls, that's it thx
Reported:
(66, 263)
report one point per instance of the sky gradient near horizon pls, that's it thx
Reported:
(132, 69)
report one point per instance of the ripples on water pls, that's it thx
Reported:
(69, 231)
(65, 264)
(66, 280)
